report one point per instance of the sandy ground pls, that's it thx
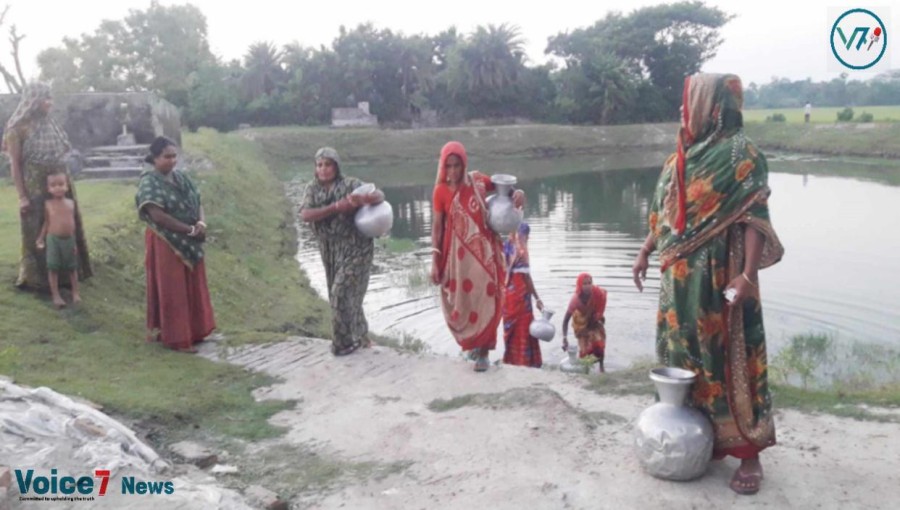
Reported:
(537, 439)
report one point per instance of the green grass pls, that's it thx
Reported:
(825, 114)
(406, 343)
(297, 473)
(98, 350)
(847, 139)
(883, 171)
(839, 398)
(409, 157)
(441, 405)
(396, 245)
(528, 398)
(840, 403)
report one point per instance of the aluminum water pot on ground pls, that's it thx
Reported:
(571, 364)
(672, 440)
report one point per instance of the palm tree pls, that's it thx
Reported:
(611, 89)
(493, 56)
(263, 69)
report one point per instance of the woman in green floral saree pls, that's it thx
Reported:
(710, 222)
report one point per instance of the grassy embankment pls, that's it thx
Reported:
(97, 351)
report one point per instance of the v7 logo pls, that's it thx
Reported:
(864, 31)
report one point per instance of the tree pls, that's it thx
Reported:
(14, 82)
(660, 44)
(214, 96)
(263, 70)
(156, 50)
(483, 70)
(312, 88)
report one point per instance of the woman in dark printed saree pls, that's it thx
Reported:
(37, 147)
(520, 347)
(179, 312)
(329, 206)
(710, 222)
(467, 259)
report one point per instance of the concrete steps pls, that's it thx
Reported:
(116, 162)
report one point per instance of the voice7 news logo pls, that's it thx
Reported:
(58, 488)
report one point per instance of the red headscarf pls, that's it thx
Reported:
(685, 138)
(450, 148)
(596, 304)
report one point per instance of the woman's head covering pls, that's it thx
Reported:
(46, 142)
(524, 229)
(594, 303)
(29, 107)
(449, 149)
(33, 96)
(711, 106)
(580, 281)
(329, 153)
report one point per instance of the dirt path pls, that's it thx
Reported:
(524, 438)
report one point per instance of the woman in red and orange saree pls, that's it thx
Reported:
(710, 221)
(467, 260)
(520, 347)
(586, 309)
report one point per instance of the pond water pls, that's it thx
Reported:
(839, 275)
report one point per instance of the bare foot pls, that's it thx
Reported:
(58, 302)
(747, 477)
(367, 343)
(76, 298)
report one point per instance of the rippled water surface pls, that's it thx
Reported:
(840, 274)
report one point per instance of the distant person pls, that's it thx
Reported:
(807, 111)
(709, 219)
(467, 259)
(57, 236)
(587, 310)
(329, 206)
(37, 147)
(179, 311)
(520, 347)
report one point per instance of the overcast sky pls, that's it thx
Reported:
(783, 38)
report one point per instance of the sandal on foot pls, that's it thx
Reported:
(344, 350)
(745, 483)
(482, 364)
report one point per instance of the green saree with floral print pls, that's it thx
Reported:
(709, 192)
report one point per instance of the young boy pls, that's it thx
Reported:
(58, 236)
